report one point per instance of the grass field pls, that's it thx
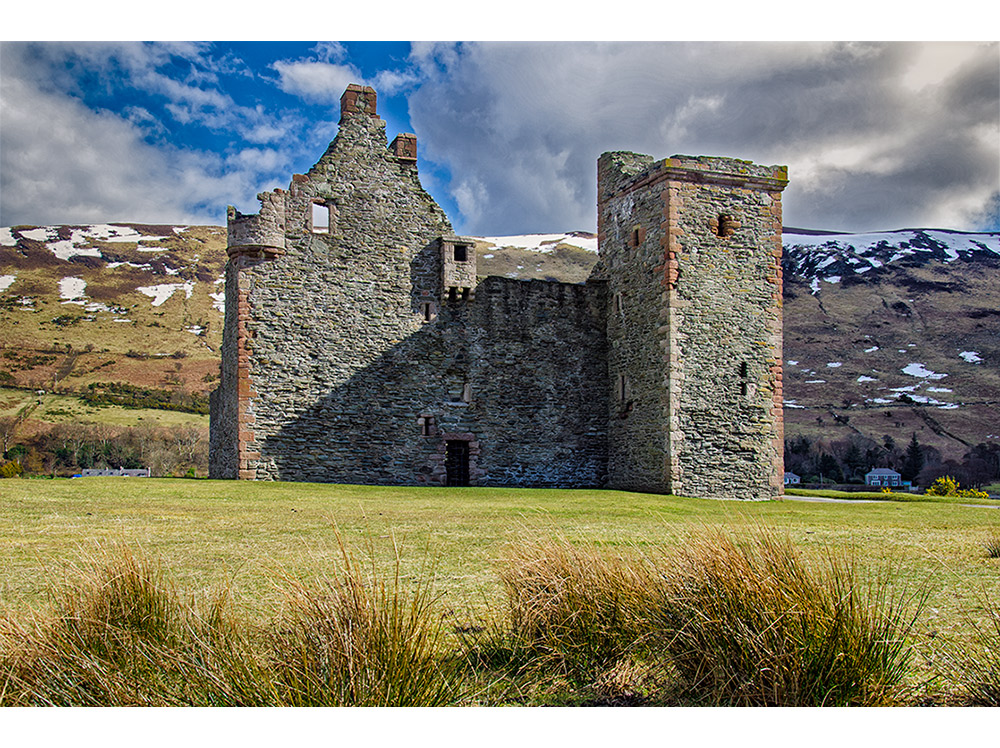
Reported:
(253, 537)
(209, 532)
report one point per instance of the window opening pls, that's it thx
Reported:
(724, 225)
(461, 253)
(427, 309)
(426, 424)
(456, 462)
(320, 218)
(453, 294)
(744, 379)
(622, 387)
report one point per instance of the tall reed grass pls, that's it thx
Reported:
(974, 666)
(725, 620)
(992, 542)
(357, 639)
(573, 610)
(113, 637)
(120, 635)
(748, 623)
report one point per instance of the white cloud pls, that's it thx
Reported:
(322, 82)
(393, 81)
(64, 163)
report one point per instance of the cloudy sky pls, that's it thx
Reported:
(875, 135)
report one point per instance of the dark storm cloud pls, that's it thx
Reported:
(869, 143)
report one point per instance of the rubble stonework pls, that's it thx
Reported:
(360, 346)
(691, 248)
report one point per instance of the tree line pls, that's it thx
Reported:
(67, 448)
(849, 460)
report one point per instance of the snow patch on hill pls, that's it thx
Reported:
(543, 242)
(81, 241)
(71, 290)
(6, 281)
(919, 370)
(162, 292)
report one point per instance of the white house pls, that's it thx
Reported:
(791, 479)
(120, 472)
(883, 477)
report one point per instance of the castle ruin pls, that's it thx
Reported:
(360, 345)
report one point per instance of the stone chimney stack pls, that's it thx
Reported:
(358, 100)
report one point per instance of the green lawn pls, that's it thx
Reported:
(246, 534)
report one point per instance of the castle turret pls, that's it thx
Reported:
(259, 235)
(692, 252)
(458, 268)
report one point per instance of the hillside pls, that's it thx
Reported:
(888, 333)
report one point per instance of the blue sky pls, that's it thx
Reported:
(876, 135)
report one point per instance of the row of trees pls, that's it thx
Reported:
(68, 448)
(848, 460)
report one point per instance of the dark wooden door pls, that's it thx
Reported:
(456, 462)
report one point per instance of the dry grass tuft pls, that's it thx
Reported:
(120, 635)
(357, 639)
(992, 542)
(748, 624)
(571, 613)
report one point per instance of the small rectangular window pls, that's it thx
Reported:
(428, 310)
(461, 254)
(320, 218)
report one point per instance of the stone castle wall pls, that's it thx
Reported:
(356, 353)
(360, 346)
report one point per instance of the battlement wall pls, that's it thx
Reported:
(541, 382)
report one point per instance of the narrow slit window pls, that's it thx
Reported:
(320, 218)
(428, 311)
(426, 424)
(453, 294)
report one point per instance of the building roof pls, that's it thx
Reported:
(882, 471)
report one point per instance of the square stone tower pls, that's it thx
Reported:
(691, 249)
